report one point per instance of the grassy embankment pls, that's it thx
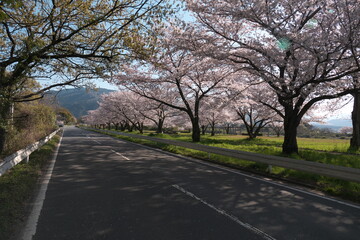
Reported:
(17, 187)
(329, 151)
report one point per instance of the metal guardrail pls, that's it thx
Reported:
(340, 172)
(15, 158)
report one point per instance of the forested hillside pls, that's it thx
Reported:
(79, 100)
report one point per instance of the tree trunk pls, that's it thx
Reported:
(203, 129)
(227, 128)
(290, 128)
(5, 120)
(196, 131)
(249, 130)
(258, 126)
(213, 129)
(2, 139)
(251, 135)
(141, 127)
(160, 126)
(131, 128)
(355, 117)
(123, 127)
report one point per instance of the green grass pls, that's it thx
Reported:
(272, 146)
(17, 186)
(331, 145)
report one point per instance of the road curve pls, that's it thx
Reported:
(104, 188)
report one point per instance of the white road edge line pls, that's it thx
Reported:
(281, 185)
(117, 153)
(232, 217)
(31, 224)
(88, 136)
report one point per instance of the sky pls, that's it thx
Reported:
(104, 84)
(344, 112)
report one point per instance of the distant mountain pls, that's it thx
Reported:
(340, 122)
(79, 100)
(334, 124)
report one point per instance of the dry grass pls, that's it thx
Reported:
(17, 186)
(17, 140)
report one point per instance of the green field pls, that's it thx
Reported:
(329, 151)
(330, 145)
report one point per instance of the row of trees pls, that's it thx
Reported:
(285, 55)
(126, 110)
(296, 54)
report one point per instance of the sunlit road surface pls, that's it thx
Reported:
(103, 188)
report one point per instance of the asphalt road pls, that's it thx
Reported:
(102, 188)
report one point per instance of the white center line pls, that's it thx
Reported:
(120, 154)
(232, 217)
(93, 139)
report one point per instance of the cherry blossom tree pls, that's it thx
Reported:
(127, 110)
(107, 113)
(246, 103)
(158, 113)
(186, 79)
(214, 111)
(305, 51)
(95, 118)
(127, 105)
(277, 127)
(180, 122)
(155, 112)
(346, 130)
(109, 108)
(255, 117)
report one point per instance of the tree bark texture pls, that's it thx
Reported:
(291, 123)
(2, 139)
(160, 126)
(140, 127)
(227, 128)
(355, 117)
(213, 129)
(196, 131)
(5, 111)
(203, 129)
